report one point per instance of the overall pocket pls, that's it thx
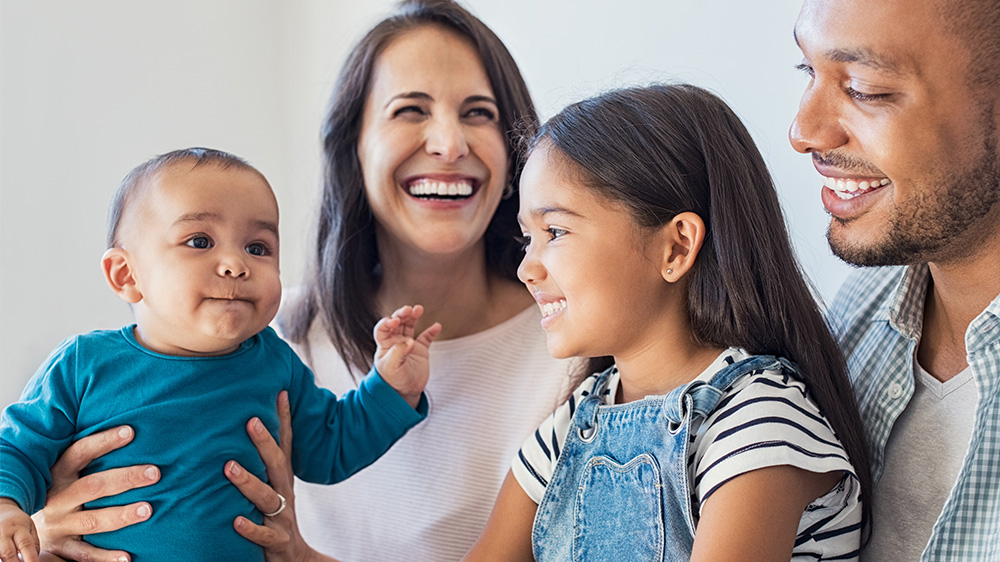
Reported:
(619, 511)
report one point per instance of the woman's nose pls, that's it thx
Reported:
(817, 126)
(446, 139)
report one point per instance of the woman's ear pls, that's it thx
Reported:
(683, 237)
(119, 275)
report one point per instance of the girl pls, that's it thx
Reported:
(725, 429)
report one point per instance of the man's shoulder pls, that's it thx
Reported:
(867, 293)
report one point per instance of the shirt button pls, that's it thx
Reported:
(895, 390)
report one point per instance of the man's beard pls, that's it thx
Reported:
(946, 209)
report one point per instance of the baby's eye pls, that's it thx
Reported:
(257, 249)
(200, 242)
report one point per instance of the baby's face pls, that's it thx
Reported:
(203, 248)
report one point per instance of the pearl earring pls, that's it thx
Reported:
(669, 271)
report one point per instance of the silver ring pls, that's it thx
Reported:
(280, 507)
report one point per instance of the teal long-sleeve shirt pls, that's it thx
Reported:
(189, 415)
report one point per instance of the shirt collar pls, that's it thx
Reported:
(905, 311)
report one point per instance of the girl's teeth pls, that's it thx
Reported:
(550, 308)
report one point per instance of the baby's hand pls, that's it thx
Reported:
(400, 359)
(17, 533)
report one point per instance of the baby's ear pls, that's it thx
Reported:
(118, 274)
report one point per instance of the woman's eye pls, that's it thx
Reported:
(409, 111)
(483, 112)
(200, 242)
(257, 249)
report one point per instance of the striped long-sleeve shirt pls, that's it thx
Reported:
(764, 420)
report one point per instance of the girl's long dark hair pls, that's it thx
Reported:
(345, 270)
(665, 149)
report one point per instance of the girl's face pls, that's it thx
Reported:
(433, 156)
(593, 271)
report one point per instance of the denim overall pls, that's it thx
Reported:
(621, 490)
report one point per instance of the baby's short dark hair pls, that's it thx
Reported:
(141, 174)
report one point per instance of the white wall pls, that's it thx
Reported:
(90, 89)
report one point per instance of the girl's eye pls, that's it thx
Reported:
(200, 242)
(524, 240)
(257, 249)
(555, 232)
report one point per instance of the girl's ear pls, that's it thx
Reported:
(684, 235)
(118, 273)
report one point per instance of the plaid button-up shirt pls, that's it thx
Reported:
(877, 318)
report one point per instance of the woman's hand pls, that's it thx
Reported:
(279, 535)
(62, 521)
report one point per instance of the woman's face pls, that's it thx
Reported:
(432, 152)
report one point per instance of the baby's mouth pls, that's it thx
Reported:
(434, 189)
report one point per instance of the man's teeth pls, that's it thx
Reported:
(550, 308)
(846, 189)
(427, 188)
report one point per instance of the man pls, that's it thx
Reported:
(900, 117)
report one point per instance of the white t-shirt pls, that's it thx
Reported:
(762, 420)
(923, 456)
(428, 498)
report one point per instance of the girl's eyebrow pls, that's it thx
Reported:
(556, 210)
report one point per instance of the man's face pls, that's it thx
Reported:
(906, 147)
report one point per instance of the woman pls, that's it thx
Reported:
(419, 205)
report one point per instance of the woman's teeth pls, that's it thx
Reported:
(432, 188)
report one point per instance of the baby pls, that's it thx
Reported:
(193, 238)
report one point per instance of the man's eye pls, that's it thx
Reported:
(257, 249)
(200, 242)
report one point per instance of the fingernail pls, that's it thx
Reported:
(152, 473)
(125, 432)
(234, 469)
(240, 521)
(123, 559)
(144, 511)
(257, 426)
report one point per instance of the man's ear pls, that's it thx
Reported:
(119, 275)
(683, 237)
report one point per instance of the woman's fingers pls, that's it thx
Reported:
(266, 537)
(284, 431)
(53, 527)
(260, 494)
(100, 485)
(82, 452)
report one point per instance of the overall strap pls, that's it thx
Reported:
(700, 397)
(585, 418)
